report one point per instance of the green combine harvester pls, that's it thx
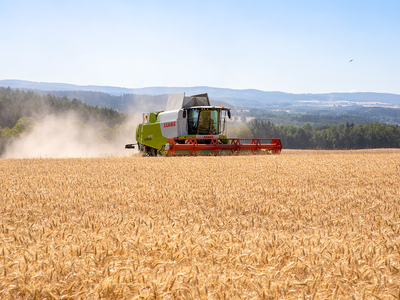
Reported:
(191, 126)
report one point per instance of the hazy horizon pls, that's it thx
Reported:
(165, 87)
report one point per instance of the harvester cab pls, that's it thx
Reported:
(189, 125)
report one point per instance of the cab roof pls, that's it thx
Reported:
(179, 101)
(208, 107)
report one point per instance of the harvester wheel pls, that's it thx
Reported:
(144, 150)
(151, 151)
(171, 147)
(148, 151)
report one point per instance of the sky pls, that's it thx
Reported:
(289, 46)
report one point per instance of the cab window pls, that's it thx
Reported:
(208, 122)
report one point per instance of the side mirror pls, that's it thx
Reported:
(184, 114)
(229, 114)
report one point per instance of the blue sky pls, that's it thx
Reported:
(289, 46)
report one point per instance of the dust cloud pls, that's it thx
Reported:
(67, 137)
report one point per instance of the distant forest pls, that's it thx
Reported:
(15, 104)
(318, 118)
(20, 110)
(126, 103)
(333, 137)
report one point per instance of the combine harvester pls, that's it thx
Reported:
(191, 126)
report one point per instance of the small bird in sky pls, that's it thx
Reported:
(351, 60)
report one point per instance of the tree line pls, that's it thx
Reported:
(342, 136)
(20, 111)
(15, 104)
(126, 103)
(319, 118)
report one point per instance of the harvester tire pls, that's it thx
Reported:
(152, 152)
(148, 151)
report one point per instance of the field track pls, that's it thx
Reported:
(301, 225)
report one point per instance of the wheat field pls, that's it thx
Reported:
(300, 225)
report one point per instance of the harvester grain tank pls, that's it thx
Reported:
(191, 126)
